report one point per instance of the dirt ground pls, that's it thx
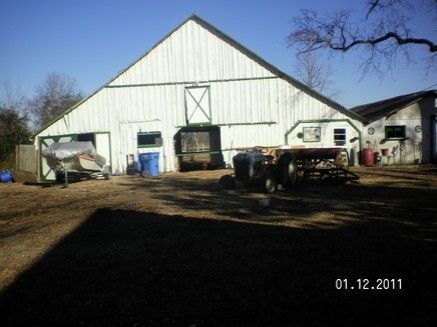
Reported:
(175, 250)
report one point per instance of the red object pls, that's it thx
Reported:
(384, 152)
(367, 157)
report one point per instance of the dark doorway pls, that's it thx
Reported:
(87, 137)
(198, 148)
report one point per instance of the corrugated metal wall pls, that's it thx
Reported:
(252, 106)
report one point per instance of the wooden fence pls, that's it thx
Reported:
(25, 158)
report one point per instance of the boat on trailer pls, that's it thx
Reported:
(75, 160)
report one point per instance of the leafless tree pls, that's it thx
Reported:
(383, 32)
(56, 94)
(13, 98)
(317, 75)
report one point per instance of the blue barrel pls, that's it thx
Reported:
(149, 163)
(6, 176)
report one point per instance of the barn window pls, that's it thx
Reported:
(394, 132)
(340, 136)
(312, 134)
(195, 141)
(149, 139)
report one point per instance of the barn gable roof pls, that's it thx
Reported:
(377, 110)
(274, 70)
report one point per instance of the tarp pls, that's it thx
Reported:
(67, 150)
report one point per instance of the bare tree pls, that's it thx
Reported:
(56, 94)
(383, 32)
(13, 98)
(315, 74)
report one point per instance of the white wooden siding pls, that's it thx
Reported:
(250, 104)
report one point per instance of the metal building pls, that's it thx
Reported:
(198, 92)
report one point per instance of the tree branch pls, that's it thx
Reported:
(400, 40)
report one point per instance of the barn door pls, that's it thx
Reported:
(197, 107)
(46, 173)
(103, 147)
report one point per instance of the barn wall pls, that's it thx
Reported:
(191, 54)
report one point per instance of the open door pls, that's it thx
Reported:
(103, 147)
(198, 148)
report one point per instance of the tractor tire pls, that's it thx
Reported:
(227, 182)
(287, 170)
(269, 183)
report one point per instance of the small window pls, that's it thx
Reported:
(394, 132)
(340, 136)
(150, 139)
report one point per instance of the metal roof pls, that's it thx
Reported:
(376, 110)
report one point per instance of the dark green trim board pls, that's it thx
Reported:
(192, 83)
(275, 71)
(189, 154)
(232, 124)
(325, 121)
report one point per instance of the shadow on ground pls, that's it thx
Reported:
(125, 267)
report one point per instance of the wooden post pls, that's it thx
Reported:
(65, 176)
(17, 157)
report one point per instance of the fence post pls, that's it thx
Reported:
(17, 157)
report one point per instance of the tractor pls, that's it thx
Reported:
(263, 167)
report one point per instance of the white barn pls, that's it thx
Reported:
(199, 92)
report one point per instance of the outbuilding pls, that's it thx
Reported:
(403, 129)
(199, 93)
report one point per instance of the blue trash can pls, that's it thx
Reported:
(6, 176)
(149, 163)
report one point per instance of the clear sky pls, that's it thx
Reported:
(92, 40)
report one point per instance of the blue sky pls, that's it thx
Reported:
(93, 40)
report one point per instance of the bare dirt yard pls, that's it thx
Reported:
(175, 250)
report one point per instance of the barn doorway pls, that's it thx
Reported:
(198, 148)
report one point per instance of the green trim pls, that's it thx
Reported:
(325, 121)
(190, 154)
(148, 146)
(232, 124)
(193, 83)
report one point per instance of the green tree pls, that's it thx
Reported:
(13, 130)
